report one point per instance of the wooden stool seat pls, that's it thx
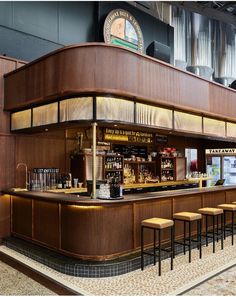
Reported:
(234, 202)
(187, 216)
(231, 207)
(212, 211)
(158, 223)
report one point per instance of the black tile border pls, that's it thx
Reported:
(80, 268)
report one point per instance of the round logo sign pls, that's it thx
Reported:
(121, 28)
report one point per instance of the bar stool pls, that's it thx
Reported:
(156, 224)
(213, 213)
(229, 208)
(189, 217)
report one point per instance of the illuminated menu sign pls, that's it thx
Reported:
(128, 136)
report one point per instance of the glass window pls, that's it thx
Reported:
(21, 119)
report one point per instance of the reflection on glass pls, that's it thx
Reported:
(213, 169)
(230, 170)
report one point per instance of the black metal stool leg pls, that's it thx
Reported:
(198, 246)
(200, 238)
(159, 256)
(190, 243)
(217, 227)
(206, 230)
(173, 240)
(154, 245)
(142, 258)
(224, 224)
(214, 247)
(222, 231)
(184, 237)
(232, 227)
(172, 246)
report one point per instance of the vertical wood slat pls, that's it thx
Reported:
(107, 69)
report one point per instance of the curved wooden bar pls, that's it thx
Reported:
(98, 229)
(97, 68)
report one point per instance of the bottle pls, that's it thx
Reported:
(59, 182)
(121, 190)
(69, 181)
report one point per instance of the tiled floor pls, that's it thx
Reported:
(223, 284)
(13, 282)
(183, 277)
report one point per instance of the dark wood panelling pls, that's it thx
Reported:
(46, 222)
(4, 216)
(99, 230)
(7, 161)
(5, 67)
(187, 203)
(80, 226)
(230, 196)
(213, 199)
(100, 68)
(38, 151)
(22, 216)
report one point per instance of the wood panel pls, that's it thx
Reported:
(46, 223)
(213, 199)
(96, 231)
(230, 196)
(100, 68)
(38, 151)
(22, 216)
(7, 161)
(5, 67)
(100, 230)
(5, 217)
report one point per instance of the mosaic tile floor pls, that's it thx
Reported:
(223, 284)
(13, 282)
(183, 277)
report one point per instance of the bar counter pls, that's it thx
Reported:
(96, 229)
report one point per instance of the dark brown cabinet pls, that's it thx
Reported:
(172, 168)
(107, 167)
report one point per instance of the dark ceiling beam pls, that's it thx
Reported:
(207, 11)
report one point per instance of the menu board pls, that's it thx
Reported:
(127, 136)
(130, 150)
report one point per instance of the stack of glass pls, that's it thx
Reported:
(43, 179)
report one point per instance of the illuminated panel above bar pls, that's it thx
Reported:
(76, 109)
(231, 129)
(46, 114)
(115, 109)
(153, 116)
(21, 119)
(187, 122)
(213, 127)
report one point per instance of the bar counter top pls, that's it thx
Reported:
(83, 200)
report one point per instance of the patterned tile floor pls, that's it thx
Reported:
(182, 278)
(13, 282)
(223, 284)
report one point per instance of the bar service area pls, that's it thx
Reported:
(103, 140)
